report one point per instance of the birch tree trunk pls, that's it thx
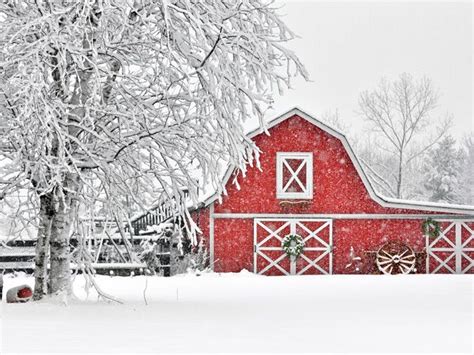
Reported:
(42, 245)
(60, 273)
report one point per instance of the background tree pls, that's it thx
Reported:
(108, 98)
(466, 178)
(333, 119)
(400, 112)
(442, 170)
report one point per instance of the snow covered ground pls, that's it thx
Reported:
(247, 313)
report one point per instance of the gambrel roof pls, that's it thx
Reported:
(377, 197)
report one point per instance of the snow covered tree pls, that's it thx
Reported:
(442, 171)
(400, 113)
(111, 98)
(381, 167)
(466, 179)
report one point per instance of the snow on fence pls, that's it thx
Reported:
(157, 215)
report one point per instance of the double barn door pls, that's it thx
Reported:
(270, 259)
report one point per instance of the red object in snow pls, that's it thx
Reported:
(18, 294)
(25, 292)
(312, 184)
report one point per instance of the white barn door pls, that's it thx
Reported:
(453, 250)
(270, 259)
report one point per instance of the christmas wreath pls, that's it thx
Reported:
(292, 245)
(431, 228)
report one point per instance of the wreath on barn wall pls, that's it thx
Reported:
(292, 245)
(431, 228)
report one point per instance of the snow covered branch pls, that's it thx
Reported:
(135, 98)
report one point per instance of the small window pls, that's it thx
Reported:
(295, 175)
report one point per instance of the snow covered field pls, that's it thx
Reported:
(248, 313)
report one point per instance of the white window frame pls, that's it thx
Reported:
(307, 158)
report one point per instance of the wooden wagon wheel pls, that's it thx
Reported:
(395, 258)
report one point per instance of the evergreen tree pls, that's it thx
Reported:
(466, 185)
(442, 171)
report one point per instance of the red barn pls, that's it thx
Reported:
(312, 185)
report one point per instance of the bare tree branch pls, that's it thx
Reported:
(401, 112)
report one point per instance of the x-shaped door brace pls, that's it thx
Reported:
(442, 236)
(272, 233)
(294, 174)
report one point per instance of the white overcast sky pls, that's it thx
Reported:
(347, 46)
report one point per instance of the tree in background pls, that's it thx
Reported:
(400, 112)
(442, 170)
(466, 178)
(113, 98)
(333, 119)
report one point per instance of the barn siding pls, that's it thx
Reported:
(233, 245)
(369, 235)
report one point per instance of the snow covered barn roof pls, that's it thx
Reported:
(377, 197)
